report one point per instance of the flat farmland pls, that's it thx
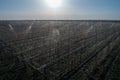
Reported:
(57, 50)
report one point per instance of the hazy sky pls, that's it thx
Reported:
(70, 9)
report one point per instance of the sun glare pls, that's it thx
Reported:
(54, 3)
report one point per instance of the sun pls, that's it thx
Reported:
(54, 3)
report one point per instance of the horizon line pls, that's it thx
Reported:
(59, 20)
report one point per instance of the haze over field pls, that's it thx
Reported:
(59, 9)
(59, 39)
